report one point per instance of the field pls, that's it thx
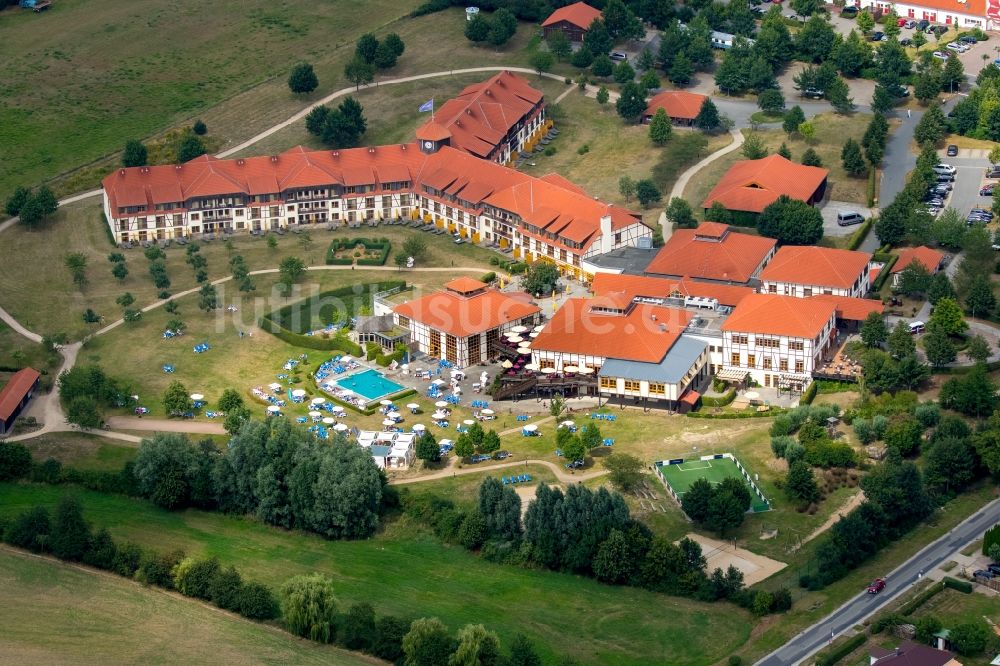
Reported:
(80, 616)
(81, 451)
(405, 572)
(832, 131)
(49, 303)
(68, 104)
(681, 476)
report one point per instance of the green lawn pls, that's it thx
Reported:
(682, 475)
(81, 451)
(405, 572)
(68, 106)
(80, 616)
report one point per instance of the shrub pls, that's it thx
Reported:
(255, 601)
(842, 650)
(309, 608)
(963, 586)
(15, 461)
(128, 555)
(912, 605)
(488, 277)
(194, 578)
(550, 151)
(224, 589)
(30, 530)
(388, 643)
(70, 534)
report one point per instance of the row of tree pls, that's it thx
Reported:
(32, 206)
(341, 127)
(274, 471)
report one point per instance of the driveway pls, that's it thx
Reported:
(829, 209)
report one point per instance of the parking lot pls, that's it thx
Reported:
(829, 209)
(970, 169)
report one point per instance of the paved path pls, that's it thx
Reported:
(682, 181)
(16, 325)
(864, 605)
(560, 473)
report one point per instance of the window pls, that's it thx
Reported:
(771, 343)
(799, 366)
(751, 361)
(766, 363)
(739, 339)
(807, 291)
(772, 288)
(796, 346)
(658, 389)
(609, 383)
(734, 359)
(631, 385)
(783, 365)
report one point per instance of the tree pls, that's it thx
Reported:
(792, 119)
(927, 627)
(851, 158)
(76, 264)
(696, 500)
(970, 638)
(190, 147)
(707, 119)
(395, 43)
(503, 25)
(135, 154)
(914, 279)
(753, 147)
(953, 74)
(811, 158)
(559, 45)
(784, 151)
(522, 652)
(207, 298)
(816, 39)
(837, 93)
(389, 632)
(366, 47)
(800, 484)
(808, 131)
(490, 443)
(727, 508)
(625, 471)
(427, 643)
(978, 350)
(631, 102)
(681, 71)
(865, 22)
(947, 317)
(647, 192)
(598, 39)
(476, 646)
(771, 101)
(939, 348)
(659, 128)
(385, 58)
(120, 271)
(582, 58)
(602, 95)
(230, 399)
(354, 114)
(680, 214)
(15, 461)
(541, 61)
(359, 72)
(933, 126)
(17, 200)
(199, 127)
(309, 608)
(973, 395)
(541, 278)
(478, 29)
(464, 446)
(626, 187)
(927, 87)
(791, 222)
(176, 399)
(291, 270)
(873, 330)
(979, 299)
(31, 530)
(623, 73)
(82, 410)
(900, 341)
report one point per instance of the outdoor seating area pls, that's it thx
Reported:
(530, 430)
(842, 367)
(169, 333)
(168, 368)
(603, 417)
(201, 348)
(511, 480)
(338, 365)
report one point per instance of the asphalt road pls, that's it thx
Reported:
(864, 605)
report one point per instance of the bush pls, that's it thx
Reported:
(550, 151)
(720, 401)
(963, 586)
(30, 530)
(15, 461)
(912, 605)
(488, 277)
(157, 569)
(809, 395)
(842, 650)
(224, 589)
(194, 578)
(382, 245)
(128, 555)
(255, 601)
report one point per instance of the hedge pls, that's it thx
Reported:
(809, 395)
(884, 274)
(990, 537)
(963, 586)
(735, 415)
(721, 401)
(381, 244)
(351, 297)
(916, 602)
(336, 343)
(858, 237)
(842, 650)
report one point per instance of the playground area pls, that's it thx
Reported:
(723, 554)
(679, 474)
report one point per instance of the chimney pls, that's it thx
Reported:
(241, 161)
(177, 167)
(274, 158)
(607, 240)
(122, 172)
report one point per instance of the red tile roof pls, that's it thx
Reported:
(579, 14)
(751, 185)
(975, 8)
(811, 265)
(11, 395)
(464, 285)
(852, 309)
(734, 258)
(463, 316)
(652, 287)
(644, 333)
(556, 205)
(481, 115)
(677, 104)
(771, 314)
(930, 259)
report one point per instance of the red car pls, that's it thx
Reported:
(901, 22)
(877, 586)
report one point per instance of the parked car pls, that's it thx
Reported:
(955, 46)
(757, 11)
(982, 211)
(478, 458)
(814, 93)
(994, 569)
(982, 573)
(849, 12)
(910, 23)
(576, 464)
(944, 168)
(986, 190)
(937, 30)
(877, 36)
(945, 187)
(906, 42)
(877, 586)
(934, 201)
(952, 150)
(846, 218)
(968, 39)
(940, 55)
(922, 24)
(618, 55)
(993, 171)
(501, 455)
(948, 178)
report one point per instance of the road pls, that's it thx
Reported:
(863, 605)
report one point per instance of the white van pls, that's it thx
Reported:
(846, 218)
(916, 327)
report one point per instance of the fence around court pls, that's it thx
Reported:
(754, 507)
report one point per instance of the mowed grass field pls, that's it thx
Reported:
(37, 290)
(405, 572)
(54, 613)
(832, 131)
(69, 101)
(681, 476)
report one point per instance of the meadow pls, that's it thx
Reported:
(69, 107)
(82, 616)
(406, 572)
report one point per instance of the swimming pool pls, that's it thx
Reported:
(370, 385)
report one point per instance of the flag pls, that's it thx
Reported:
(427, 106)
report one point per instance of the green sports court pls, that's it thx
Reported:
(680, 474)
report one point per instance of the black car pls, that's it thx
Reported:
(952, 150)
(849, 12)
(922, 24)
(968, 39)
(906, 42)
(981, 211)
(986, 191)
(982, 573)
(814, 93)
(994, 569)
(877, 36)
(501, 455)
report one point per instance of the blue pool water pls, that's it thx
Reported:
(370, 384)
